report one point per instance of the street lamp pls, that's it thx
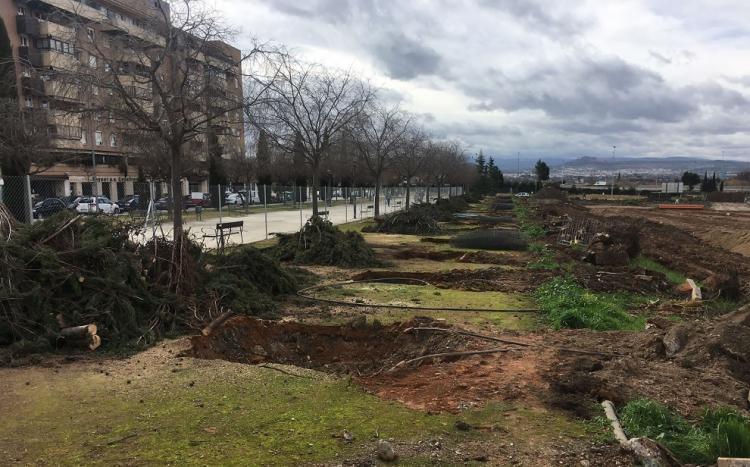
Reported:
(612, 190)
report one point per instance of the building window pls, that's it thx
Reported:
(91, 34)
(92, 61)
(29, 102)
(21, 11)
(107, 67)
(95, 90)
(113, 140)
(45, 104)
(98, 138)
(106, 41)
(24, 40)
(83, 137)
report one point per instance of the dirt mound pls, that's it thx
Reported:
(613, 248)
(357, 348)
(687, 366)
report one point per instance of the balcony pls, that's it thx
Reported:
(67, 132)
(52, 59)
(28, 25)
(60, 90)
(58, 31)
(66, 119)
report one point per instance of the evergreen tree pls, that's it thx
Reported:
(542, 170)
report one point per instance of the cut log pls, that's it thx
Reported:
(647, 451)
(216, 323)
(89, 342)
(79, 332)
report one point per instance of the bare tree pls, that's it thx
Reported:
(170, 79)
(411, 157)
(24, 141)
(311, 105)
(377, 134)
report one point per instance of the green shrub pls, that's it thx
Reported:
(650, 265)
(565, 304)
(721, 432)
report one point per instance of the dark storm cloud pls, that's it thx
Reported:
(405, 58)
(598, 88)
(537, 16)
(334, 11)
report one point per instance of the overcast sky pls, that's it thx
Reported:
(543, 77)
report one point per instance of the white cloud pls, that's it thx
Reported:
(558, 78)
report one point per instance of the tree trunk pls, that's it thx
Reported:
(408, 191)
(377, 196)
(177, 193)
(315, 186)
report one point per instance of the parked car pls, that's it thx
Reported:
(522, 194)
(190, 202)
(87, 205)
(163, 204)
(130, 203)
(48, 207)
(234, 198)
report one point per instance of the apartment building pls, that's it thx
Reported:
(53, 39)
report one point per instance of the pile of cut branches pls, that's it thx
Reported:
(418, 220)
(73, 270)
(320, 242)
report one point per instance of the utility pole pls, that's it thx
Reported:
(612, 190)
(95, 188)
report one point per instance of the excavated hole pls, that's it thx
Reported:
(357, 348)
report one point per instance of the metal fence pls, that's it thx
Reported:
(263, 210)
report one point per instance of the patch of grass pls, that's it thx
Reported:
(424, 296)
(652, 265)
(545, 258)
(225, 414)
(720, 432)
(565, 304)
(532, 228)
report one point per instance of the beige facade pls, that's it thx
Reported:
(52, 38)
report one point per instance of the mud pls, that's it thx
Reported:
(359, 348)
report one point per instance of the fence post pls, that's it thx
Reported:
(265, 209)
(220, 200)
(29, 204)
(300, 209)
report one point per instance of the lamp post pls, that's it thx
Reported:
(612, 190)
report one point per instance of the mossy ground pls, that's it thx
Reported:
(198, 412)
(423, 296)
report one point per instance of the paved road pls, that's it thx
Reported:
(283, 221)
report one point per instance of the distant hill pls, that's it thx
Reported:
(672, 164)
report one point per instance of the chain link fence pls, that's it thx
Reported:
(260, 210)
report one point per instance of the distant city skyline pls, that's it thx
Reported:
(547, 78)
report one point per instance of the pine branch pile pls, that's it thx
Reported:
(418, 220)
(320, 242)
(73, 270)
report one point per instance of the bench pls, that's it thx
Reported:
(227, 229)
